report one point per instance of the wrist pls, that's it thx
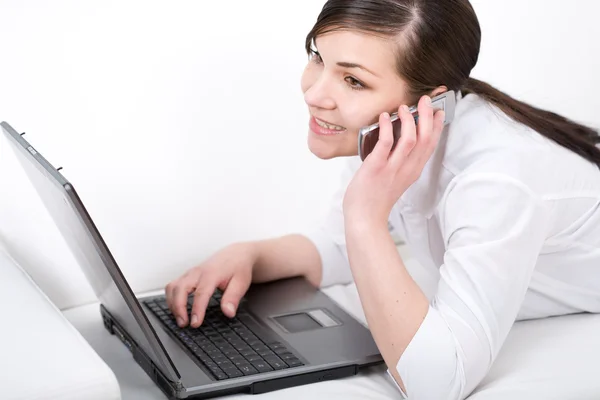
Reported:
(250, 249)
(362, 223)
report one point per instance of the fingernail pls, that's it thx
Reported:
(230, 308)
(180, 321)
(194, 319)
(386, 115)
(428, 100)
(405, 108)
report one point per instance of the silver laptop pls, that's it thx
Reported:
(286, 333)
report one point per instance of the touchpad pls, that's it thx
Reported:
(304, 321)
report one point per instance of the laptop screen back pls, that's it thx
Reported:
(89, 250)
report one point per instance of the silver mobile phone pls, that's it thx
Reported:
(369, 135)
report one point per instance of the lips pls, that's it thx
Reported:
(325, 128)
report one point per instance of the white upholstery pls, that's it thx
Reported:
(41, 355)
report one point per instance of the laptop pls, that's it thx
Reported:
(286, 333)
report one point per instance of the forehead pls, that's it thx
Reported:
(375, 53)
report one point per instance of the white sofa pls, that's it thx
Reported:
(45, 356)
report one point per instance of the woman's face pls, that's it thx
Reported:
(349, 81)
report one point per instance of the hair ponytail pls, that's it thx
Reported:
(576, 137)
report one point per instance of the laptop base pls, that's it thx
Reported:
(175, 390)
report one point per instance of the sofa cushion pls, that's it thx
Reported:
(43, 355)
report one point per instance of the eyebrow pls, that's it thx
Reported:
(354, 65)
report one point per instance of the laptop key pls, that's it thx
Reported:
(261, 366)
(242, 347)
(217, 371)
(211, 365)
(276, 362)
(233, 372)
(248, 369)
(253, 357)
(218, 358)
(214, 353)
(248, 352)
(294, 362)
(236, 341)
(213, 303)
(280, 350)
(285, 356)
(225, 364)
(254, 342)
(171, 325)
(265, 353)
(230, 352)
(241, 363)
(260, 347)
(220, 375)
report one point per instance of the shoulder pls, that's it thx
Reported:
(482, 139)
(482, 134)
(490, 206)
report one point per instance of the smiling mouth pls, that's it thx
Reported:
(326, 125)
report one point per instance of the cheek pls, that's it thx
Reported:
(358, 114)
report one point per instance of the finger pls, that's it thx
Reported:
(425, 124)
(179, 301)
(169, 294)
(437, 127)
(408, 136)
(386, 139)
(205, 289)
(236, 289)
(438, 122)
(425, 133)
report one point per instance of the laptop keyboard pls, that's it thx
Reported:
(227, 347)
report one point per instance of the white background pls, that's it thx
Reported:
(183, 127)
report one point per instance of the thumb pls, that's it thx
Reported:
(235, 290)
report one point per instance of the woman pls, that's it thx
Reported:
(504, 201)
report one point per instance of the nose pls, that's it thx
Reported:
(318, 94)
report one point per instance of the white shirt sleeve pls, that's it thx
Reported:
(330, 239)
(494, 228)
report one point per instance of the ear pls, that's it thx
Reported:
(439, 90)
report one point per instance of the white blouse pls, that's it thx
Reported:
(512, 222)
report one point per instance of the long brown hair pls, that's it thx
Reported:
(439, 47)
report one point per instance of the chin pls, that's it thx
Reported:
(323, 152)
(326, 150)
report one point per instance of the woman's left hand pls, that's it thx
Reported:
(385, 175)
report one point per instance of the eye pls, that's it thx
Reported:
(354, 83)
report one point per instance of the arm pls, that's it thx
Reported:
(287, 256)
(318, 255)
(494, 228)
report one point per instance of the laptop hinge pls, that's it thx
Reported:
(172, 389)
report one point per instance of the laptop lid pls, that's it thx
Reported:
(89, 249)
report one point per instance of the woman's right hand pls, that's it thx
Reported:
(230, 270)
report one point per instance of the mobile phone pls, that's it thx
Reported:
(369, 135)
